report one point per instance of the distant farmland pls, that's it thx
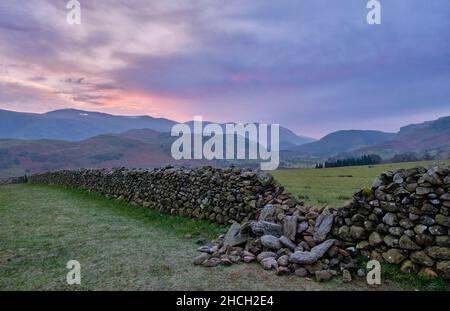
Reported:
(335, 186)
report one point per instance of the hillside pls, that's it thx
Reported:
(133, 149)
(73, 125)
(137, 148)
(344, 141)
(431, 137)
(77, 125)
(146, 148)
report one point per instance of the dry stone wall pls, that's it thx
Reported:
(13, 180)
(220, 195)
(403, 219)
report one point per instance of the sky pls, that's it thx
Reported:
(314, 66)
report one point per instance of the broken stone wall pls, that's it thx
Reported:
(403, 219)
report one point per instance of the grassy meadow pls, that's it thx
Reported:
(335, 186)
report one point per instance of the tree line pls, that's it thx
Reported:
(370, 159)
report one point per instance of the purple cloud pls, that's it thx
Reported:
(314, 66)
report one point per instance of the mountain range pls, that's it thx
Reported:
(77, 125)
(68, 139)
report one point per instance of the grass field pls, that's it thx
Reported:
(121, 247)
(335, 186)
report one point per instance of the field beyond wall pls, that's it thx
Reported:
(335, 186)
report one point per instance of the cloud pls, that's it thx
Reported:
(314, 65)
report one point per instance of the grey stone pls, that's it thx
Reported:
(421, 258)
(394, 256)
(443, 220)
(302, 227)
(424, 239)
(391, 241)
(423, 190)
(406, 223)
(249, 259)
(344, 233)
(265, 227)
(271, 242)
(313, 256)
(375, 239)
(269, 263)
(408, 267)
(420, 229)
(283, 261)
(209, 248)
(397, 231)
(290, 227)
(443, 269)
(438, 252)
(323, 226)
(361, 273)
(264, 178)
(237, 235)
(390, 219)
(287, 243)
(200, 259)
(406, 243)
(358, 233)
(443, 240)
(346, 276)
(264, 255)
(437, 230)
(212, 262)
(267, 212)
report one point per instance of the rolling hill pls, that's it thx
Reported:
(431, 137)
(73, 125)
(136, 148)
(344, 142)
(78, 125)
(146, 148)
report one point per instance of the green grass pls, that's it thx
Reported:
(334, 186)
(119, 246)
(393, 273)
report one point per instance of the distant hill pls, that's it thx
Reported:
(142, 148)
(431, 137)
(136, 148)
(344, 142)
(26, 152)
(77, 125)
(73, 125)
